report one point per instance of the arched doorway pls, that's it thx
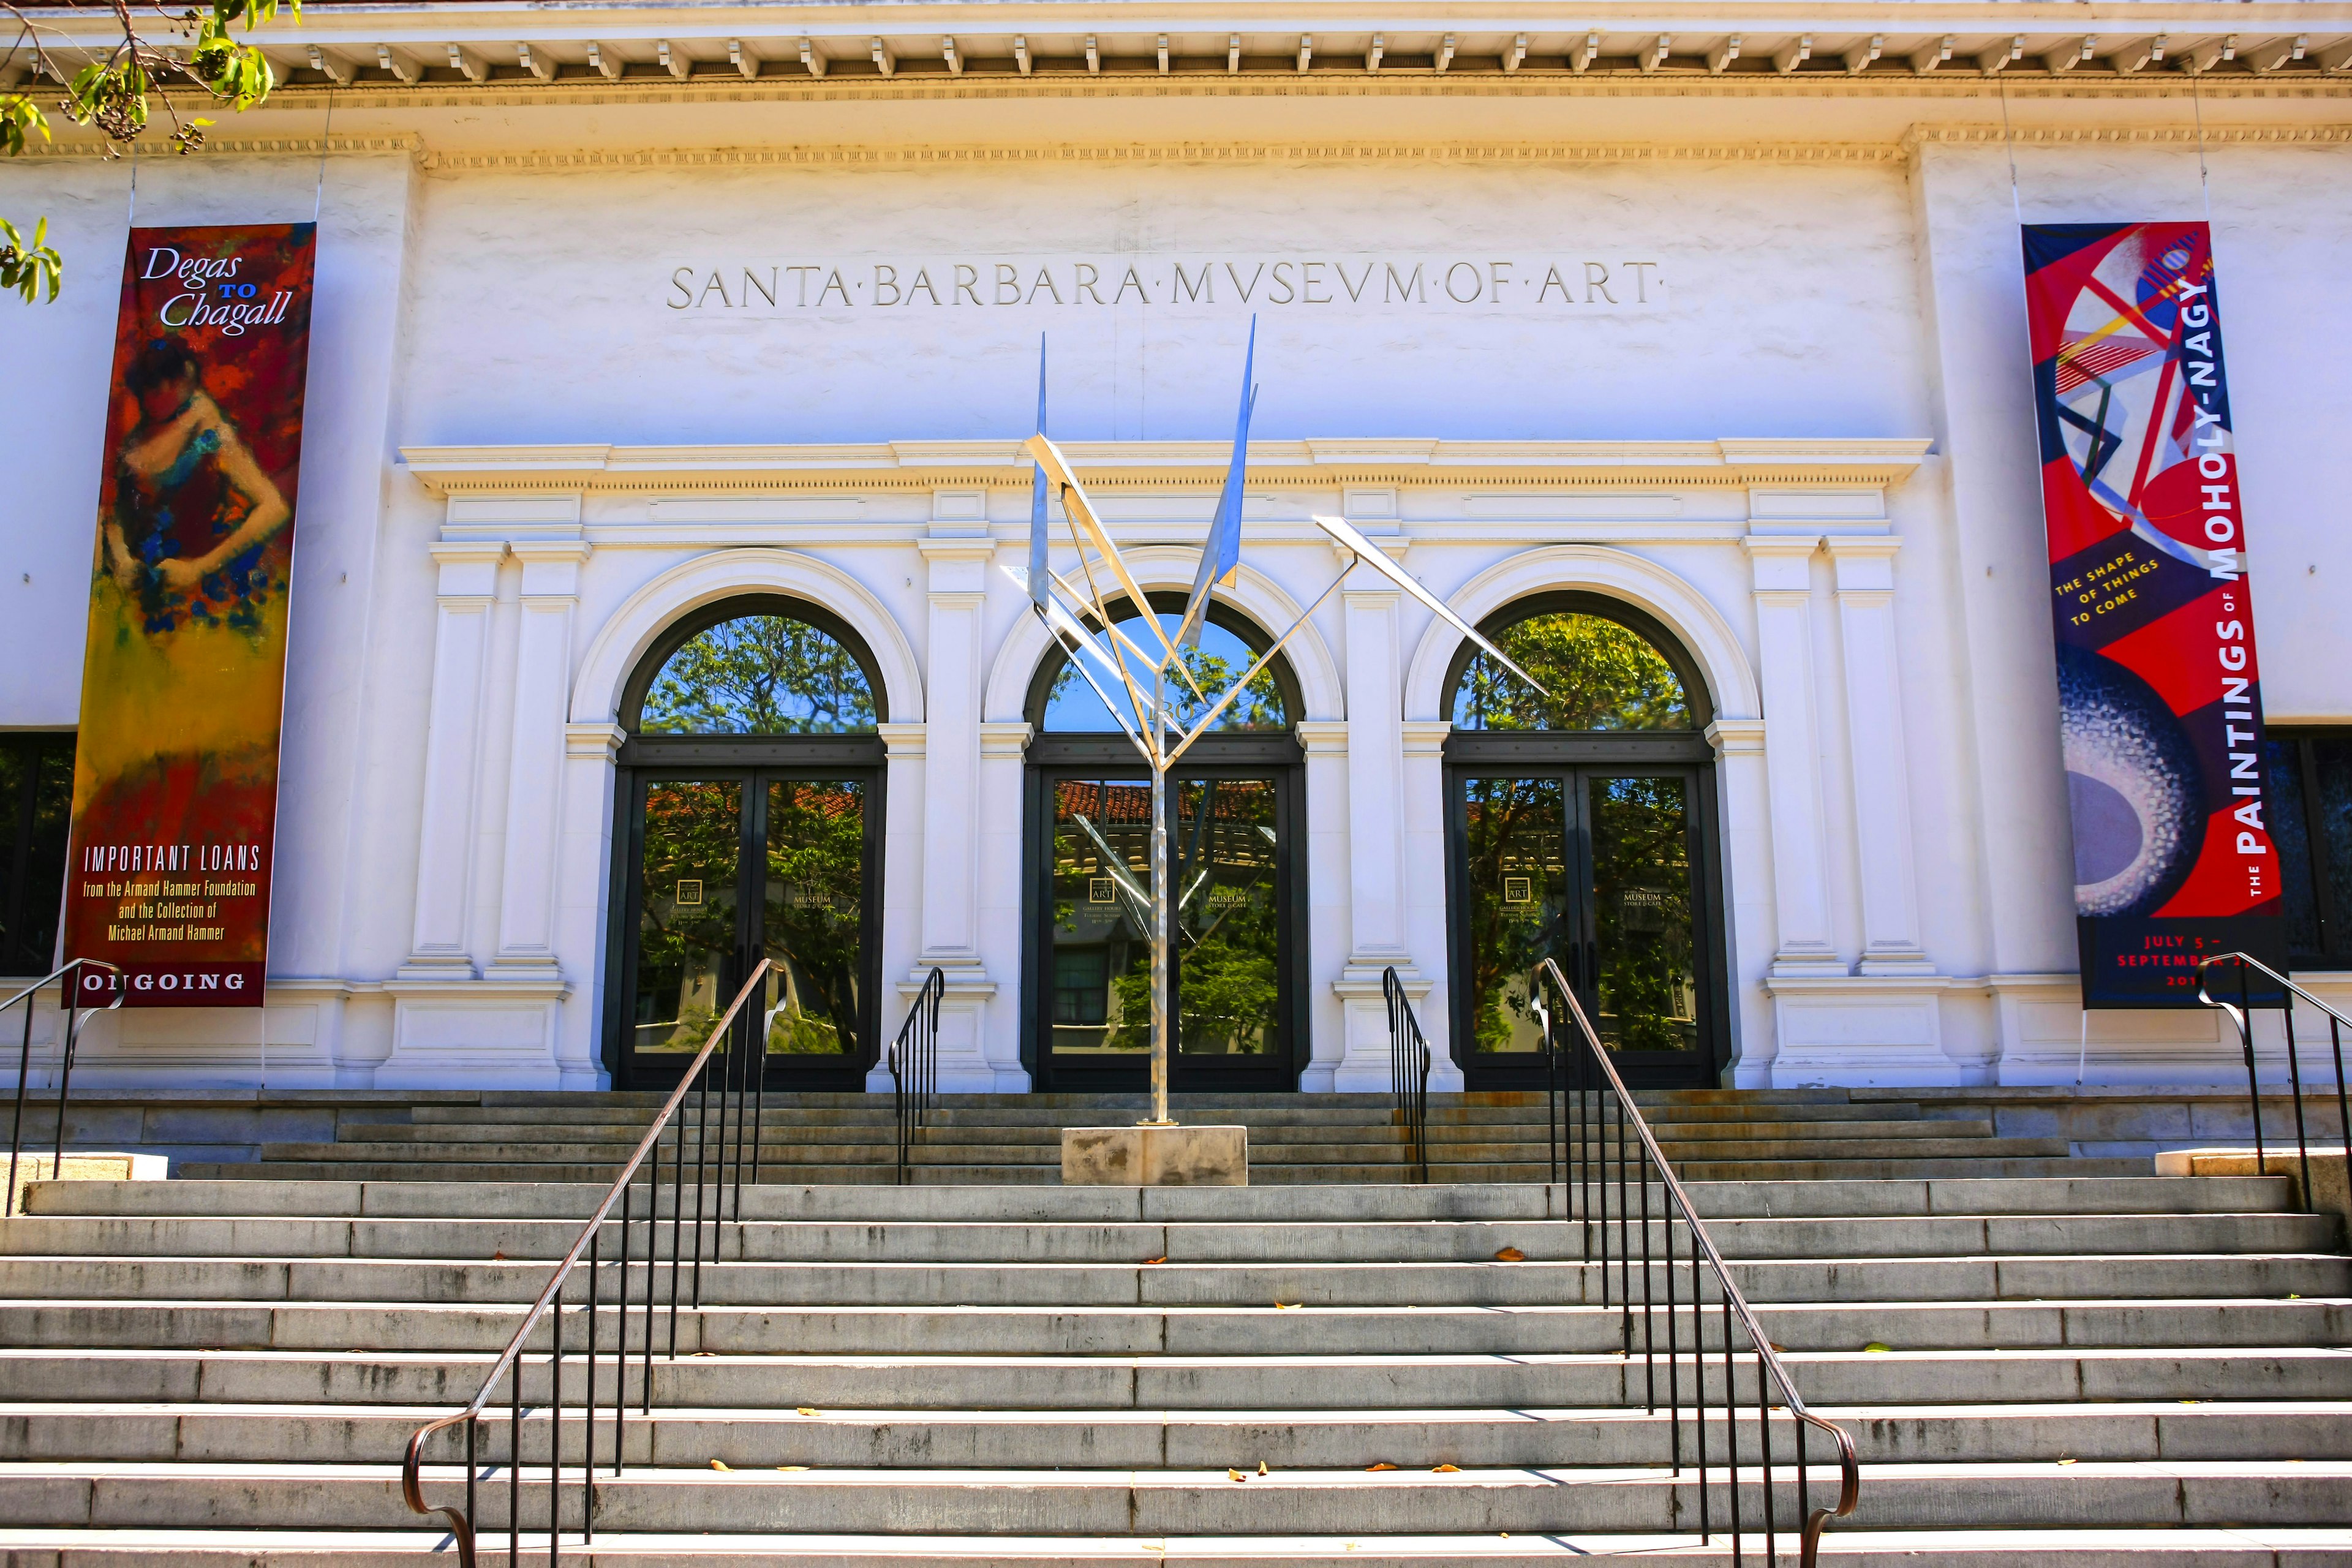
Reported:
(749, 824)
(1582, 828)
(1236, 827)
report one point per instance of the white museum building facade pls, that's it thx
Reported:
(660, 598)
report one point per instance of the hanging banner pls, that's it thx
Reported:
(184, 677)
(2158, 694)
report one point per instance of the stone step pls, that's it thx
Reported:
(1264, 1329)
(1146, 1439)
(1516, 1380)
(925, 1283)
(1041, 1173)
(2077, 1194)
(1363, 1111)
(1316, 1132)
(1805, 1144)
(1183, 1243)
(2242, 1547)
(2131, 1494)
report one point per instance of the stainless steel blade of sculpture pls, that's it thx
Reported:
(1133, 681)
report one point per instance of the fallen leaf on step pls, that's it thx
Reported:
(1873, 1347)
(1383, 1465)
(792, 1467)
(2065, 1461)
(1286, 1306)
(498, 1257)
(1446, 1469)
(1261, 1466)
(1510, 1255)
(807, 1409)
(1149, 1261)
(1235, 1476)
(718, 1464)
(2190, 1402)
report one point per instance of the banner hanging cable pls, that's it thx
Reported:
(319, 198)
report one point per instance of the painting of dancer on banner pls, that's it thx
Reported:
(2159, 690)
(175, 775)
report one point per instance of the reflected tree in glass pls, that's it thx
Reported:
(811, 913)
(1516, 833)
(1642, 917)
(686, 922)
(1601, 675)
(759, 675)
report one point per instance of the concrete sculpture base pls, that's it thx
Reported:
(1155, 1156)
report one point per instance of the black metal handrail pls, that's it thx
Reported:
(76, 1014)
(2241, 1013)
(739, 1096)
(1408, 1072)
(1600, 1107)
(913, 1059)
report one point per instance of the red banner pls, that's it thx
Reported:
(183, 678)
(2159, 697)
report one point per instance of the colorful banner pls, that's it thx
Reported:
(183, 679)
(2158, 694)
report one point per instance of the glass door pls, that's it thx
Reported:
(733, 867)
(1230, 871)
(1597, 868)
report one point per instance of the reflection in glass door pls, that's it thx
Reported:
(812, 916)
(1227, 870)
(1221, 861)
(1595, 869)
(686, 939)
(1101, 888)
(730, 869)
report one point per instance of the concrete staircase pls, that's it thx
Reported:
(2081, 1368)
(1726, 1135)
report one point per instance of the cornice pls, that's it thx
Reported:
(1113, 466)
(604, 159)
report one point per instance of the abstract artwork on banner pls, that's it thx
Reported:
(2158, 695)
(183, 674)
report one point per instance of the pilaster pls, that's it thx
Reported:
(1881, 774)
(466, 589)
(543, 683)
(1782, 576)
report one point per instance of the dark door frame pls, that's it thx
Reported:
(754, 761)
(1052, 758)
(1472, 754)
(644, 758)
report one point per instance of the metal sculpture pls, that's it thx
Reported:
(1109, 660)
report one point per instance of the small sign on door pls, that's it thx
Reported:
(689, 893)
(1518, 889)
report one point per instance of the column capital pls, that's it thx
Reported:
(1001, 739)
(1322, 737)
(1736, 737)
(551, 567)
(1425, 736)
(469, 575)
(598, 742)
(901, 739)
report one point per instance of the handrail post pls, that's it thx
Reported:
(2241, 1013)
(67, 976)
(1738, 1318)
(549, 1304)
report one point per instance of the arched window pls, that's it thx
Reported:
(1583, 832)
(762, 674)
(749, 826)
(1602, 667)
(1063, 703)
(1235, 824)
